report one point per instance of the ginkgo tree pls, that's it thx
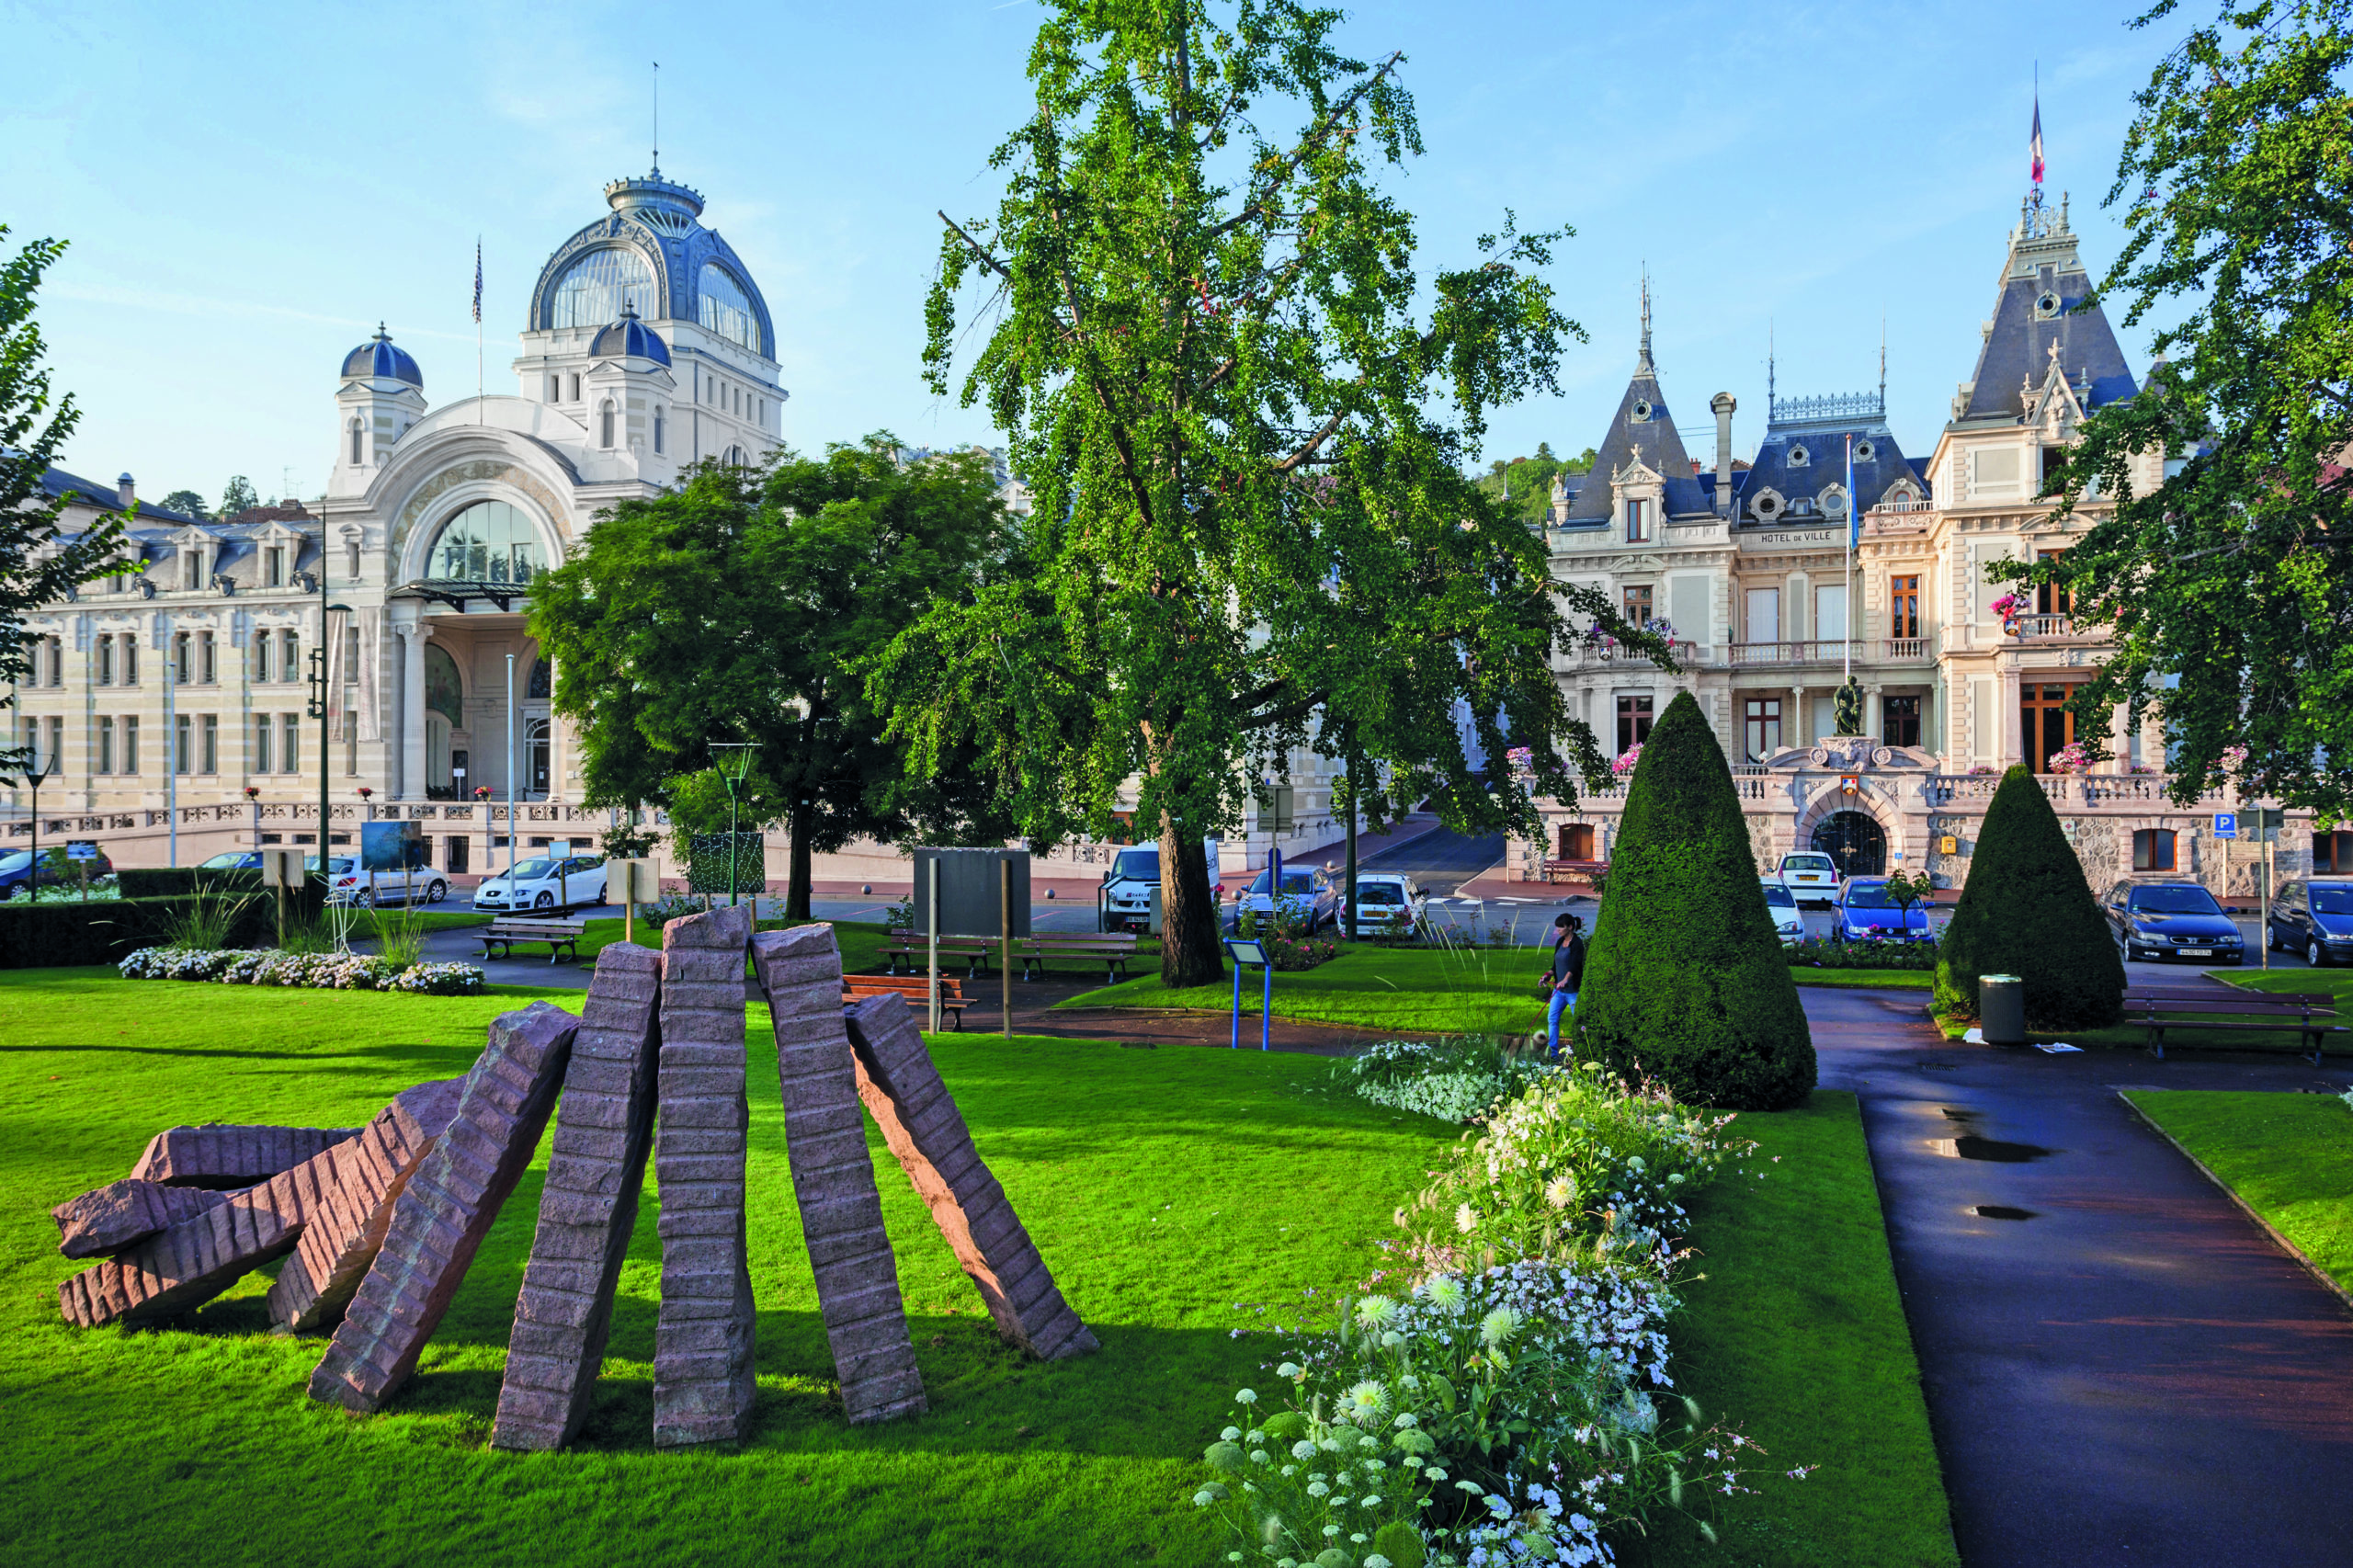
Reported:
(1246, 414)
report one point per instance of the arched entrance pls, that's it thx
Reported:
(1855, 842)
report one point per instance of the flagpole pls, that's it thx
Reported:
(1854, 521)
(477, 372)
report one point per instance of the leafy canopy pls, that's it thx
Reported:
(2230, 586)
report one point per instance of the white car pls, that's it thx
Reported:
(1782, 905)
(1809, 874)
(1388, 904)
(545, 883)
(347, 883)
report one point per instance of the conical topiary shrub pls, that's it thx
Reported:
(1686, 981)
(2028, 911)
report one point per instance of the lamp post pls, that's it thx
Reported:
(510, 769)
(333, 619)
(171, 744)
(33, 776)
(743, 766)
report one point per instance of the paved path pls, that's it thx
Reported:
(2130, 1373)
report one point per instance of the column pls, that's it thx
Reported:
(2013, 731)
(1874, 714)
(1795, 732)
(408, 706)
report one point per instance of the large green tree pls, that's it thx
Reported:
(2229, 587)
(188, 504)
(1245, 416)
(37, 564)
(734, 608)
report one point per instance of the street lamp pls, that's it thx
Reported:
(33, 776)
(743, 766)
(333, 619)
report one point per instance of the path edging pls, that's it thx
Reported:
(2291, 1248)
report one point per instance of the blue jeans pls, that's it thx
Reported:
(1563, 1001)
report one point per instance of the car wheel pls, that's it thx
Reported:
(2271, 935)
(2315, 955)
(365, 900)
(437, 892)
(545, 901)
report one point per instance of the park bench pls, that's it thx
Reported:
(855, 988)
(2307, 1014)
(915, 947)
(1573, 871)
(1111, 951)
(562, 937)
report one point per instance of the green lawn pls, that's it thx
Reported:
(1412, 990)
(1884, 979)
(1794, 1333)
(2289, 1157)
(2339, 981)
(1162, 1185)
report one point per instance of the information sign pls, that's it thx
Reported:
(2226, 825)
(80, 849)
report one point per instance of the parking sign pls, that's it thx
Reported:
(2226, 825)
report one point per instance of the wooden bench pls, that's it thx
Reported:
(915, 947)
(1573, 871)
(1112, 951)
(2307, 1014)
(915, 988)
(562, 937)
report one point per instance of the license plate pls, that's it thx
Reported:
(2197, 952)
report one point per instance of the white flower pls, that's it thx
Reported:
(1367, 1400)
(1445, 1293)
(1289, 1369)
(1372, 1501)
(1230, 1434)
(1246, 1396)
(1497, 1327)
(1303, 1451)
(1377, 1560)
(1260, 1456)
(1559, 1192)
(1390, 1339)
(1374, 1310)
(1317, 1489)
(1466, 1219)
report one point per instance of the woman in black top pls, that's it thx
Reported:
(1568, 973)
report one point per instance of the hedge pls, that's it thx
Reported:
(180, 881)
(2026, 910)
(47, 936)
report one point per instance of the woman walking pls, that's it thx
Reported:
(1568, 973)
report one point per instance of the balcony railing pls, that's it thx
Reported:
(1903, 650)
(1819, 651)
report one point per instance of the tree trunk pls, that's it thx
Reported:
(1190, 949)
(796, 887)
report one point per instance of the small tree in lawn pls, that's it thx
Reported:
(1686, 981)
(2026, 910)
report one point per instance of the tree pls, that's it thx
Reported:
(37, 564)
(2229, 587)
(237, 495)
(2026, 910)
(188, 504)
(1686, 981)
(1247, 453)
(735, 607)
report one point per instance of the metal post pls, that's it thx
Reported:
(510, 769)
(320, 657)
(171, 743)
(932, 989)
(1236, 1043)
(1349, 915)
(1266, 1005)
(2263, 910)
(1004, 938)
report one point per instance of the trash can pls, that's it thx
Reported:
(2001, 1010)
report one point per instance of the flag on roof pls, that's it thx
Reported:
(2037, 167)
(2034, 144)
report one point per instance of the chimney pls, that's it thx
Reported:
(125, 491)
(1723, 403)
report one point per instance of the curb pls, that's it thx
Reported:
(2291, 1248)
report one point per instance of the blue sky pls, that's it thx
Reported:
(248, 189)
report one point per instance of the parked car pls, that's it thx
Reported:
(16, 874)
(1867, 915)
(241, 860)
(2313, 918)
(1308, 892)
(545, 883)
(2171, 920)
(347, 883)
(1782, 905)
(1126, 895)
(1809, 874)
(1388, 903)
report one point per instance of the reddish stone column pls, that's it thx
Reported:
(833, 1177)
(447, 1208)
(919, 1120)
(603, 1129)
(123, 1213)
(223, 1155)
(703, 1366)
(343, 1235)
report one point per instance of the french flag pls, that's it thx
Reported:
(2034, 144)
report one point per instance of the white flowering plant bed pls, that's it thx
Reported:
(325, 972)
(1457, 1080)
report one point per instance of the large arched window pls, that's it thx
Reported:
(724, 305)
(593, 291)
(490, 541)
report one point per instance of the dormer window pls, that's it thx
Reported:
(1797, 457)
(274, 566)
(1641, 412)
(1865, 452)
(1768, 506)
(191, 569)
(1638, 521)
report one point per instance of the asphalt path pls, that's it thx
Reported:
(2120, 1367)
(1440, 860)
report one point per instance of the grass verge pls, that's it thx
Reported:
(2289, 1157)
(1411, 990)
(1868, 979)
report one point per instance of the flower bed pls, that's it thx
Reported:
(1813, 953)
(1454, 1080)
(1290, 954)
(326, 971)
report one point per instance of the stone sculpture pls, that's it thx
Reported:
(123, 1214)
(224, 1155)
(346, 1230)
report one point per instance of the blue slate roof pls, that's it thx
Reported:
(1823, 444)
(632, 337)
(105, 497)
(2034, 311)
(1643, 431)
(379, 359)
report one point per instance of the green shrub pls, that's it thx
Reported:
(2028, 911)
(47, 936)
(177, 881)
(1686, 981)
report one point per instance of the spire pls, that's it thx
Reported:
(1642, 366)
(657, 119)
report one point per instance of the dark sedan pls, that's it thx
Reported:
(2171, 920)
(2312, 918)
(17, 876)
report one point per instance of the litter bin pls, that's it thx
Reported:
(2001, 1010)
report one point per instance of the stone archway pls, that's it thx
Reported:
(1854, 841)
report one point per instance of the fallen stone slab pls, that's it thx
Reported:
(604, 1128)
(344, 1233)
(123, 1213)
(185, 1265)
(703, 1337)
(902, 1092)
(224, 1155)
(833, 1177)
(439, 1219)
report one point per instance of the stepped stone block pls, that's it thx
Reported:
(223, 1155)
(123, 1213)
(188, 1264)
(919, 1119)
(439, 1219)
(703, 1369)
(833, 1177)
(604, 1127)
(343, 1235)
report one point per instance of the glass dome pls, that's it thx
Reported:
(490, 541)
(724, 307)
(593, 291)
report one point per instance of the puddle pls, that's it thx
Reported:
(2001, 1212)
(1971, 1146)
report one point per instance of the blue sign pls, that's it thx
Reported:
(2226, 825)
(391, 847)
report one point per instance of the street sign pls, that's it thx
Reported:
(281, 867)
(2264, 824)
(80, 849)
(2226, 825)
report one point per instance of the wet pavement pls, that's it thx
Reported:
(2120, 1367)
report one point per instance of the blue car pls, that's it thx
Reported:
(2172, 920)
(1307, 893)
(18, 876)
(1865, 913)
